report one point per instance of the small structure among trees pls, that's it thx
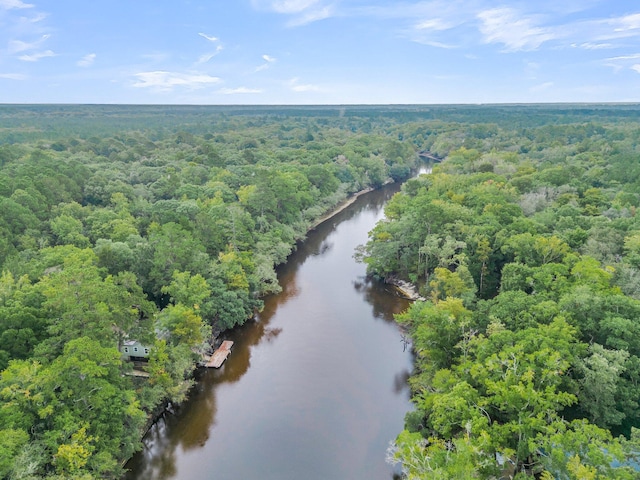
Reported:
(133, 350)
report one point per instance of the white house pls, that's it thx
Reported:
(134, 350)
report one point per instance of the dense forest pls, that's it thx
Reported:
(165, 224)
(166, 234)
(526, 248)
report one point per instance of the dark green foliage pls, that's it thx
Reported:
(545, 359)
(530, 221)
(93, 226)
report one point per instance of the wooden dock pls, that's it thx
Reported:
(220, 355)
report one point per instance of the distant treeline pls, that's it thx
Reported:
(26, 123)
(163, 224)
(526, 244)
(164, 230)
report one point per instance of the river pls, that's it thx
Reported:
(315, 387)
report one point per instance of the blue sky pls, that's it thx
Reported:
(319, 51)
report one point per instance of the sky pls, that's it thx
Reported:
(319, 51)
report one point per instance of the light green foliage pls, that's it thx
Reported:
(85, 387)
(446, 283)
(170, 367)
(68, 231)
(182, 326)
(190, 290)
(600, 373)
(81, 302)
(174, 248)
(195, 208)
(549, 335)
(437, 330)
(11, 443)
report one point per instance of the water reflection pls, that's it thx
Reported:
(314, 388)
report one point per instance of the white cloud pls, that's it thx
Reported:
(166, 81)
(13, 76)
(312, 16)
(541, 87)
(302, 12)
(209, 37)
(239, 90)
(593, 46)
(16, 46)
(87, 60)
(208, 56)
(156, 57)
(625, 57)
(602, 30)
(627, 22)
(9, 4)
(34, 57)
(268, 61)
(437, 24)
(297, 87)
(622, 61)
(38, 17)
(292, 6)
(433, 43)
(503, 25)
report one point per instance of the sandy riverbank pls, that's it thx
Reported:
(340, 207)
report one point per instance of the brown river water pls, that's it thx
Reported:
(314, 389)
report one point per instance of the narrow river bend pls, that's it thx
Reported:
(314, 389)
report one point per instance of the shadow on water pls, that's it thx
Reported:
(195, 426)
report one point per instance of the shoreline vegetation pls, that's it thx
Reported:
(165, 234)
(341, 206)
(527, 262)
(164, 224)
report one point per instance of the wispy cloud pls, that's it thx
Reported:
(293, 6)
(601, 31)
(87, 60)
(593, 46)
(295, 86)
(13, 76)
(165, 81)
(268, 59)
(34, 57)
(301, 12)
(10, 4)
(239, 91)
(204, 58)
(627, 23)
(505, 26)
(16, 46)
(311, 16)
(433, 43)
(157, 57)
(541, 87)
(437, 24)
(211, 38)
(623, 61)
(633, 56)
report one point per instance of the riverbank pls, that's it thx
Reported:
(217, 335)
(260, 416)
(339, 208)
(405, 289)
